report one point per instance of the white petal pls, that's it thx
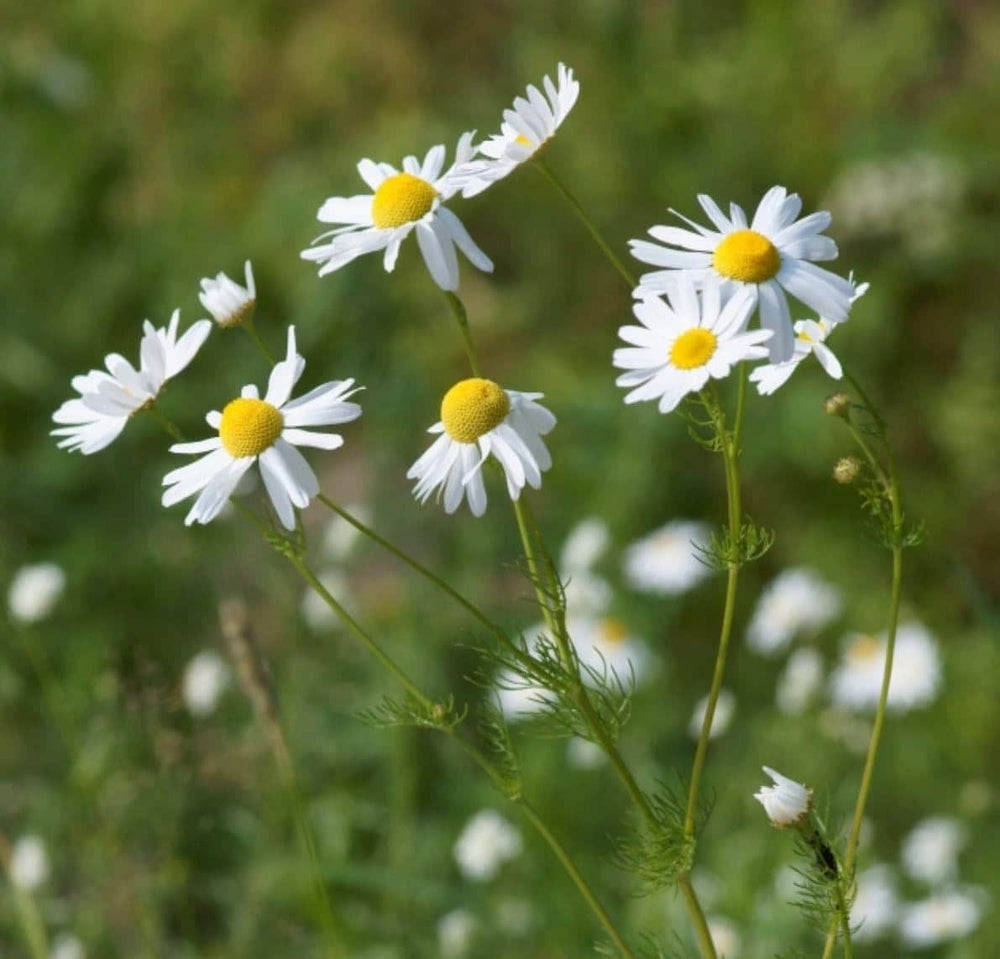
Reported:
(774, 316)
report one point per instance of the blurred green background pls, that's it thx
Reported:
(144, 145)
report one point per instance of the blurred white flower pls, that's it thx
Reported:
(229, 303)
(515, 916)
(586, 543)
(916, 671)
(455, 932)
(485, 844)
(800, 681)
(34, 591)
(205, 678)
(605, 645)
(795, 601)
(67, 947)
(587, 594)
(725, 709)
(930, 851)
(876, 904)
(340, 537)
(318, 616)
(787, 803)
(944, 916)
(518, 701)
(29, 863)
(725, 937)
(667, 560)
(583, 754)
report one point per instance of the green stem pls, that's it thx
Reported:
(701, 929)
(462, 318)
(592, 228)
(168, 425)
(256, 337)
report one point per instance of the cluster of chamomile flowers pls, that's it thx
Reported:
(694, 314)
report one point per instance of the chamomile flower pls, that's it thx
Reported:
(109, 399)
(787, 802)
(930, 851)
(684, 341)
(487, 842)
(229, 303)
(401, 202)
(264, 431)
(876, 903)
(950, 914)
(667, 561)
(796, 600)
(810, 338)
(525, 130)
(773, 255)
(479, 419)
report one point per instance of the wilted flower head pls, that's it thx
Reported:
(486, 843)
(787, 803)
(34, 591)
(229, 303)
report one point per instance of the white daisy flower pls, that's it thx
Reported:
(29, 863)
(685, 342)
(525, 130)
(772, 256)
(585, 544)
(479, 419)
(876, 904)
(34, 591)
(456, 931)
(800, 681)
(930, 851)
(518, 700)
(401, 202)
(587, 594)
(797, 600)
(108, 400)
(722, 718)
(810, 338)
(916, 671)
(205, 679)
(605, 645)
(787, 803)
(667, 561)
(947, 915)
(265, 431)
(487, 841)
(229, 303)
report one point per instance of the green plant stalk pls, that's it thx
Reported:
(247, 325)
(578, 209)
(462, 318)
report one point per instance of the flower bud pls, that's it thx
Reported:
(838, 404)
(787, 803)
(846, 470)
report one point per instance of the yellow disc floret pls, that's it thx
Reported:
(864, 649)
(613, 631)
(400, 199)
(694, 347)
(747, 256)
(249, 427)
(473, 407)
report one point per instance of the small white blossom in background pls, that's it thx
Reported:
(915, 198)
(586, 543)
(876, 904)
(67, 947)
(340, 537)
(725, 937)
(606, 646)
(29, 863)
(916, 671)
(317, 614)
(518, 701)
(667, 561)
(797, 600)
(800, 681)
(583, 754)
(725, 709)
(206, 677)
(486, 843)
(587, 594)
(944, 916)
(930, 851)
(455, 932)
(229, 303)
(34, 591)
(787, 803)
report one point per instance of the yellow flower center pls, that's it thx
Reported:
(864, 649)
(612, 631)
(694, 347)
(473, 407)
(805, 337)
(747, 256)
(522, 140)
(400, 199)
(249, 427)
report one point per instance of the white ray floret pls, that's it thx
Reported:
(771, 256)
(401, 202)
(109, 399)
(267, 432)
(229, 303)
(525, 130)
(480, 419)
(685, 339)
(787, 803)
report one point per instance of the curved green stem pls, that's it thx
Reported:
(462, 318)
(247, 325)
(168, 425)
(592, 228)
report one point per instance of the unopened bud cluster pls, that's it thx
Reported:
(838, 404)
(846, 470)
